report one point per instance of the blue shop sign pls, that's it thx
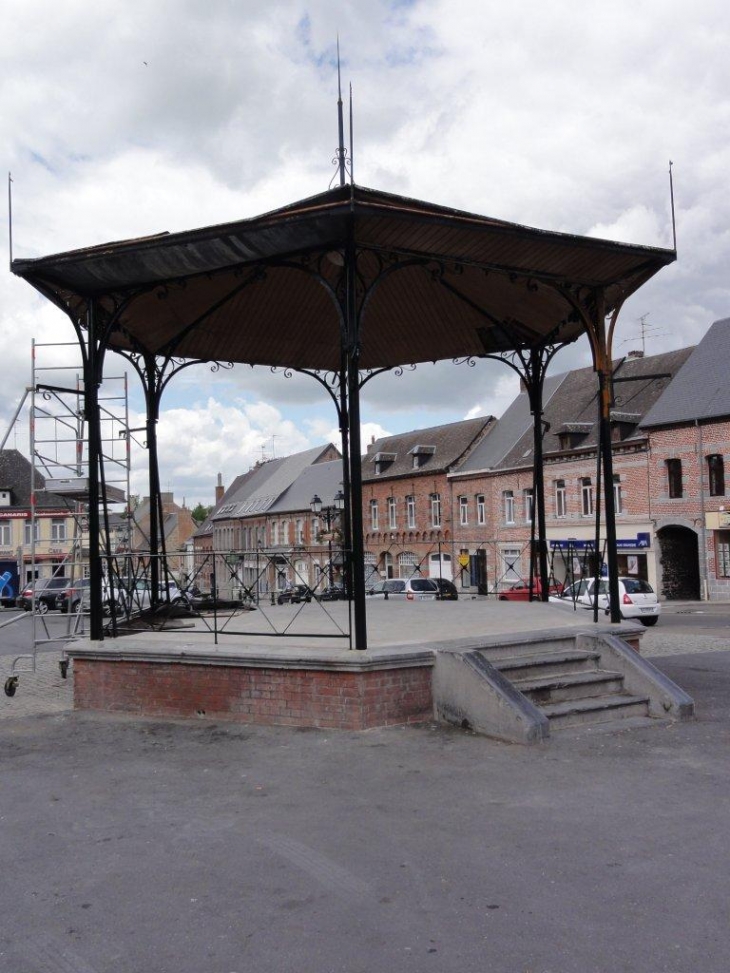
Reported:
(638, 543)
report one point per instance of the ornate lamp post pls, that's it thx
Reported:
(330, 514)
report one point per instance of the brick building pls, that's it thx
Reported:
(25, 552)
(265, 525)
(494, 485)
(689, 440)
(408, 511)
(177, 524)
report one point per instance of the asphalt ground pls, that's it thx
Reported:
(143, 846)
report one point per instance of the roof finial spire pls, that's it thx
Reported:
(340, 123)
(671, 198)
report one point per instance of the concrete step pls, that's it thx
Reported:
(517, 650)
(597, 709)
(564, 686)
(546, 664)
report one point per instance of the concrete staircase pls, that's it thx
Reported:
(525, 688)
(570, 688)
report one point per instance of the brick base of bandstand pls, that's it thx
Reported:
(332, 689)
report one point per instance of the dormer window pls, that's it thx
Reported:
(623, 424)
(573, 434)
(421, 455)
(4, 498)
(383, 461)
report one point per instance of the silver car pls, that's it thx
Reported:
(402, 589)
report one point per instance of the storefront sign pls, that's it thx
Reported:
(640, 542)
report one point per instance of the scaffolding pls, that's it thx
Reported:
(56, 541)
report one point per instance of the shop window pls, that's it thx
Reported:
(511, 564)
(716, 475)
(674, 478)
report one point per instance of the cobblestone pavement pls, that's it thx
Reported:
(39, 692)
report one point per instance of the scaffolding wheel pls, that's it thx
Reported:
(63, 666)
(11, 684)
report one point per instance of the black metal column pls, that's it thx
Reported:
(352, 360)
(91, 409)
(535, 389)
(152, 403)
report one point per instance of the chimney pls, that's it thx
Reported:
(371, 444)
(219, 491)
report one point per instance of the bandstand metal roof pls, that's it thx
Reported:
(433, 283)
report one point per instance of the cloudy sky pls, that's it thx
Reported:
(121, 119)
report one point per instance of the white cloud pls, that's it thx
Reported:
(558, 115)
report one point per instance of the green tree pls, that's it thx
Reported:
(200, 512)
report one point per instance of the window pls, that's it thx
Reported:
(463, 511)
(29, 532)
(586, 496)
(618, 500)
(528, 505)
(411, 511)
(58, 529)
(300, 533)
(315, 528)
(674, 478)
(508, 506)
(6, 536)
(716, 475)
(435, 509)
(481, 510)
(723, 554)
(373, 514)
(285, 532)
(392, 517)
(561, 500)
(275, 532)
(511, 564)
(407, 564)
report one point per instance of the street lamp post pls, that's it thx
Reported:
(330, 513)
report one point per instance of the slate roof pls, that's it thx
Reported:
(701, 390)
(571, 405)
(508, 430)
(15, 476)
(450, 443)
(265, 484)
(576, 402)
(324, 479)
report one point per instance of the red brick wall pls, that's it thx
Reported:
(421, 540)
(293, 697)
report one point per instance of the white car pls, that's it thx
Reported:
(637, 598)
(400, 589)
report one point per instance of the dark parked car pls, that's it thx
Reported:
(46, 592)
(333, 592)
(294, 595)
(71, 598)
(447, 589)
